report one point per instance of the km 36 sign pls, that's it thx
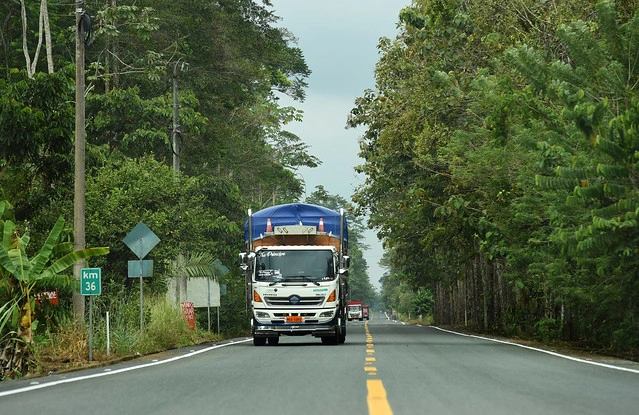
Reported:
(91, 281)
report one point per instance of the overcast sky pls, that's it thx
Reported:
(339, 41)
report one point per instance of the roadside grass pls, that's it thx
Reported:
(66, 347)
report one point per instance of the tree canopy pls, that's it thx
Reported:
(500, 154)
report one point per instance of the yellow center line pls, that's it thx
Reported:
(377, 402)
(376, 399)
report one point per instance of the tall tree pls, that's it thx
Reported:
(457, 130)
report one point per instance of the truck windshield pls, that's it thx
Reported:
(283, 265)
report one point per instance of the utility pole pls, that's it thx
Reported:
(80, 180)
(177, 134)
(181, 282)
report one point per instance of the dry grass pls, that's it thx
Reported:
(68, 347)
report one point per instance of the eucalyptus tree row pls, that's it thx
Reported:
(500, 162)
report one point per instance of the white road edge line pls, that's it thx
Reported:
(113, 372)
(576, 359)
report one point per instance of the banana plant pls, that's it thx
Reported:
(19, 275)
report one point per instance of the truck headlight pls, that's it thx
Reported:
(261, 314)
(327, 314)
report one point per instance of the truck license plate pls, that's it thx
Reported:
(293, 319)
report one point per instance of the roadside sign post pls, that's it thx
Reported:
(90, 285)
(141, 240)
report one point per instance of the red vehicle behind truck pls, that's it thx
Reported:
(365, 311)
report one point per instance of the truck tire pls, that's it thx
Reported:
(330, 340)
(341, 338)
(334, 339)
(259, 341)
(273, 341)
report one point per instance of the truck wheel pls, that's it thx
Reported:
(330, 340)
(334, 339)
(259, 341)
(273, 340)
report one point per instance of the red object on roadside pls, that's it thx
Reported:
(189, 313)
(51, 296)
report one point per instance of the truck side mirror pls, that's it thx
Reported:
(246, 259)
(346, 261)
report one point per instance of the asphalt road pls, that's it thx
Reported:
(384, 367)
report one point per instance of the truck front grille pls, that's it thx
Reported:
(297, 302)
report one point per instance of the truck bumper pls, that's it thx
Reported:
(296, 329)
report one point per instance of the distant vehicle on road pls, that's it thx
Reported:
(354, 310)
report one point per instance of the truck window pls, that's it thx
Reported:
(278, 265)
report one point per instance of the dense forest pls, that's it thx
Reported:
(501, 152)
(228, 63)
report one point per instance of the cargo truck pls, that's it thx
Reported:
(354, 310)
(365, 312)
(296, 268)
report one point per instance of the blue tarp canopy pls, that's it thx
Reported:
(296, 214)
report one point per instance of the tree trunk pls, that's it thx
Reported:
(43, 26)
(47, 35)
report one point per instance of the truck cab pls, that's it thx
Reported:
(296, 273)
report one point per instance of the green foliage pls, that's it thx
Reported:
(230, 62)
(185, 212)
(500, 156)
(548, 329)
(20, 279)
(125, 122)
(167, 328)
(20, 276)
(422, 303)
(36, 137)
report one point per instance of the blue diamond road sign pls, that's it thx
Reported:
(141, 240)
